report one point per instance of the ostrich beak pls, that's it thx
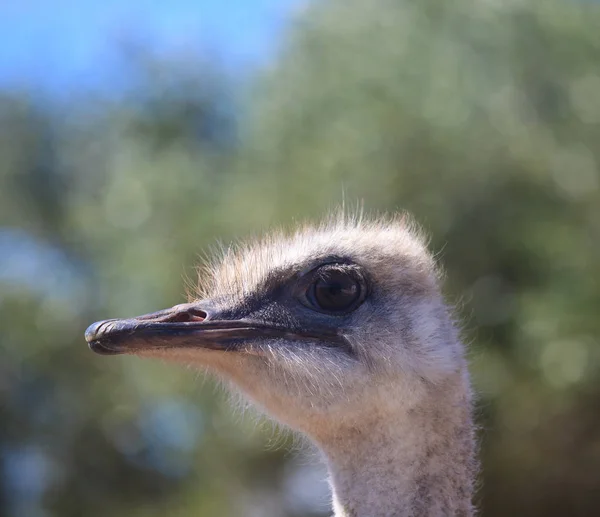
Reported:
(181, 326)
(188, 326)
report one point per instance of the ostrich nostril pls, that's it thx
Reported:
(188, 315)
(198, 314)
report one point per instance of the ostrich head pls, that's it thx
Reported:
(325, 327)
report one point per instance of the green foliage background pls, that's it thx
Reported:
(482, 118)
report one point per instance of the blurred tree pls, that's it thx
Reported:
(481, 118)
(99, 214)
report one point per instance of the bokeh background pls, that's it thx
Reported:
(134, 134)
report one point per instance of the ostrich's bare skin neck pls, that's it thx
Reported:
(418, 463)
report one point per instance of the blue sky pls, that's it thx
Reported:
(58, 43)
(55, 47)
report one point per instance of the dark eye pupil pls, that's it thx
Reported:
(336, 291)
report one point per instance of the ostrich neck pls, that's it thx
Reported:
(416, 463)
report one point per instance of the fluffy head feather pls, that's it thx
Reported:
(402, 337)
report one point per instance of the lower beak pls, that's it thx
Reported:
(182, 326)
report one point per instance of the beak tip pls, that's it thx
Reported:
(93, 331)
(93, 335)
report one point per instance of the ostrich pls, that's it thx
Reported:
(338, 331)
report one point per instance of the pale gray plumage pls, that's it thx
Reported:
(382, 388)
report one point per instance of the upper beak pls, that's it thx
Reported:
(184, 325)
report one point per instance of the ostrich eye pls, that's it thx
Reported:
(335, 291)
